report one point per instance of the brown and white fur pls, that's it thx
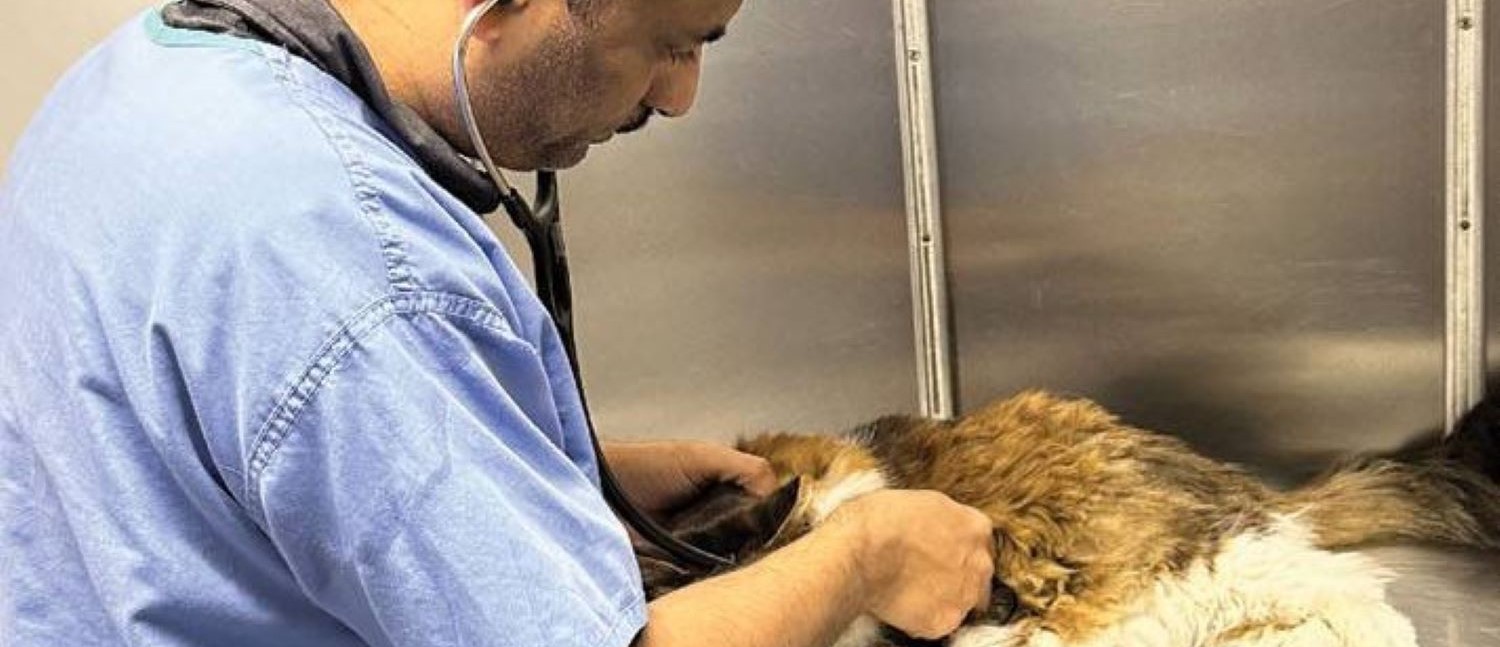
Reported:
(1112, 536)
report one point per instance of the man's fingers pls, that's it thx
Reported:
(984, 596)
(754, 474)
(980, 576)
(705, 463)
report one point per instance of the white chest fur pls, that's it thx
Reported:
(827, 497)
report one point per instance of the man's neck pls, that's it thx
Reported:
(410, 47)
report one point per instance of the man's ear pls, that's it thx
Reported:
(492, 25)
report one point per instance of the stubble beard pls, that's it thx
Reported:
(525, 110)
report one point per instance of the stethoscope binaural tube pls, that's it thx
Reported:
(542, 226)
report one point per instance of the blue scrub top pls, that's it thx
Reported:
(264, 382)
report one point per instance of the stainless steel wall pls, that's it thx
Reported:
(1223, 219)
(1492, 198)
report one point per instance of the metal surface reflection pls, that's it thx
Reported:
(1450, 596)
(1223, 219)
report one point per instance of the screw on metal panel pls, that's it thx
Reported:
(913, 55)
(1464, 225)
(1466, 22)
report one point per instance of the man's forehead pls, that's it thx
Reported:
(696, 20)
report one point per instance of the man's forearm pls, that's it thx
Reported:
(803, 595)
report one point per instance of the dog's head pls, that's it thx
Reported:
(727, 521)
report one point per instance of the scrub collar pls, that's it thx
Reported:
(314, 31)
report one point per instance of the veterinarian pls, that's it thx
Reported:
(267, 378)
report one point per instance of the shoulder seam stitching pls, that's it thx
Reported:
(283, 415)
(399, 274)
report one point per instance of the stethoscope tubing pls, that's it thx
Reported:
(542, 226)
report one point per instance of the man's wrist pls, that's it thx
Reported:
(806, 593)
(850, 537)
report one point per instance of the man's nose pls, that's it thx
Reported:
(674, 90)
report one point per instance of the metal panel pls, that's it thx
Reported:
(1452, 596)
(746, 267)
(1464, 342)
(1492, 206)
(1223, 219)
(929, 281)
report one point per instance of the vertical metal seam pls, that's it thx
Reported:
(930, 312)
(1464, 335)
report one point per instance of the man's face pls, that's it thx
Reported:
(593, 71)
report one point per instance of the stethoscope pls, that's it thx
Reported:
(542, 225)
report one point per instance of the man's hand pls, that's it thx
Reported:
(916, 560)
(926, 560)
(660, 475)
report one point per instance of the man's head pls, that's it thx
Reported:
(548, 78)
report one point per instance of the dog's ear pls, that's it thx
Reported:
(660, 576)
(777, 511)
(725, 520)
(1476, 442)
